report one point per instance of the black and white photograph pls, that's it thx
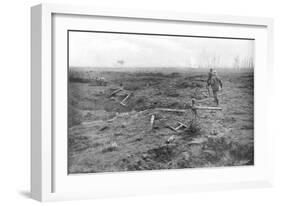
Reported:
(140, 101)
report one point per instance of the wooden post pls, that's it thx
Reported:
(152, 121)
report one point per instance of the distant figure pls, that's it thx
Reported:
(216, 85)
(210, 74)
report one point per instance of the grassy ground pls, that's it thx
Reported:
(105, 136)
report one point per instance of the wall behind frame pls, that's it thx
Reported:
(15, 100)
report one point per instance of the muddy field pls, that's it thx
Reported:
(106, 136)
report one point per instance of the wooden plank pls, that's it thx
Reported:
(172, 128)
(207, 108)
(122, 102)
(115, 92)
(178, 127)
(182, 124)
(171, 110)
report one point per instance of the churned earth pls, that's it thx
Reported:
(106, 136)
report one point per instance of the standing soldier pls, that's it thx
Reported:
(216, 85)
(209, 81)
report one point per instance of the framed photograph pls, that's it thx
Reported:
(136, 102)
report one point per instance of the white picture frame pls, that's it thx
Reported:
(48, 180)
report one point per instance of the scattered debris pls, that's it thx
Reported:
(171, 139)
(123, 101)
(115, 92)
(178, 127)
(193, 124)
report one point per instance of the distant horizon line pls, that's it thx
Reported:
(155, 67)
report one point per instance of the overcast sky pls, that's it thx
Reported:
(89, 49)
